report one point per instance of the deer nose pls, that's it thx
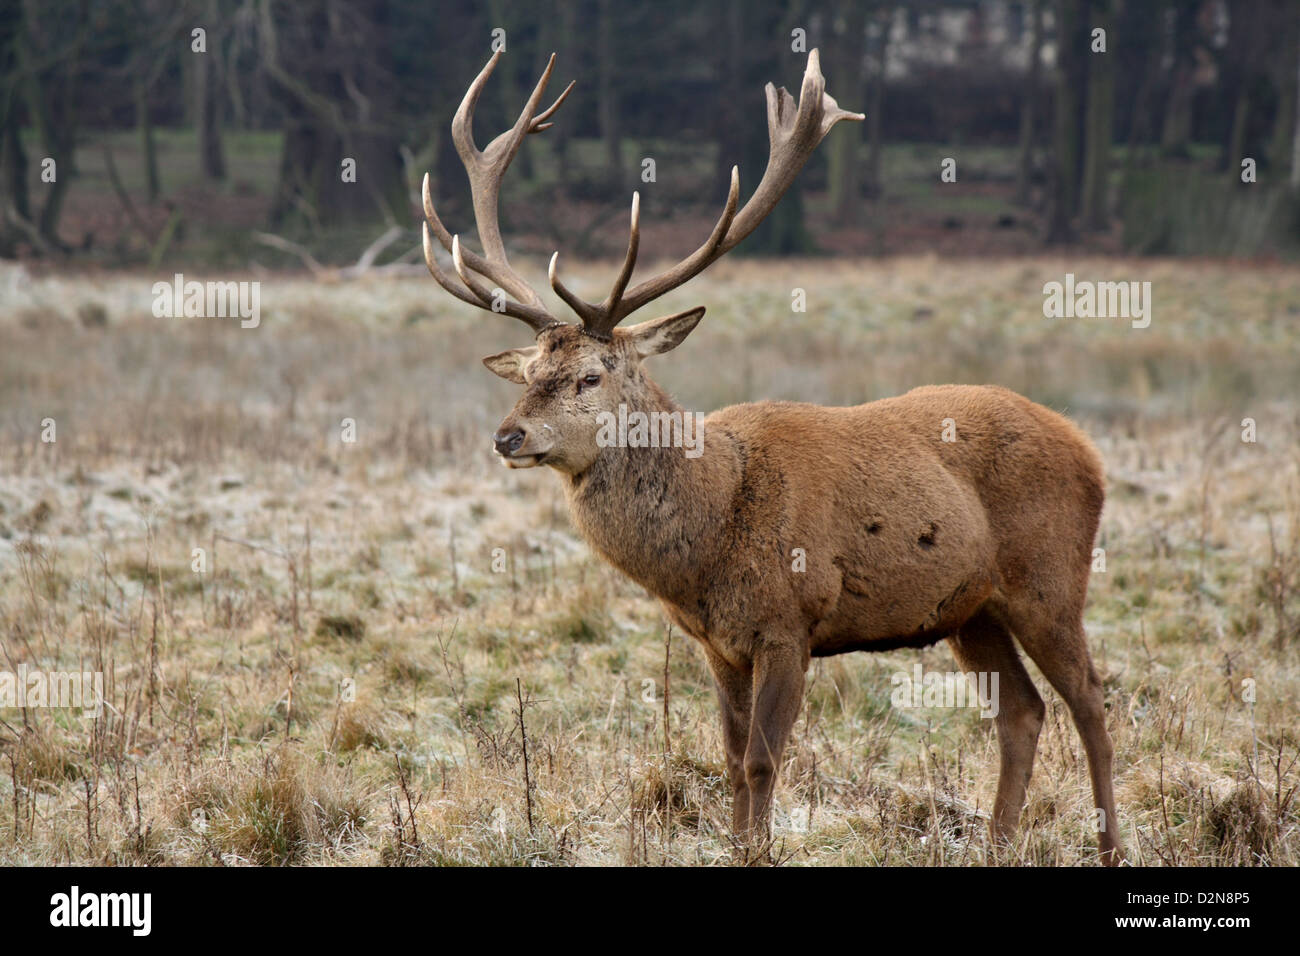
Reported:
(508, 442)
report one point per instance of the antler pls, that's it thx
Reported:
(794, 131)
(486, 168)
(793, 134)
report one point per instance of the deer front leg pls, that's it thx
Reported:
(778, 695)
(733, 688)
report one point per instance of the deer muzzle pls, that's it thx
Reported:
(521, 447)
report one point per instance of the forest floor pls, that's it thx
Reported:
(341, 680)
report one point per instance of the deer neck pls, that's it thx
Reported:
(654, 513)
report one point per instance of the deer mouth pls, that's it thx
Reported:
(523, 461)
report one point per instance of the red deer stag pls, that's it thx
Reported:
(985, 540)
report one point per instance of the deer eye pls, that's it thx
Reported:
(588, 381)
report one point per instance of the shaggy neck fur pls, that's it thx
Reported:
(654, 513)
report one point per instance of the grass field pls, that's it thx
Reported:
(380, 626)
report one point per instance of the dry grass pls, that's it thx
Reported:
(339, 685)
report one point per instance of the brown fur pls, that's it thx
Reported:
(908, 539)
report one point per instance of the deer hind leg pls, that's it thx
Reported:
(984, 645)
(733, 688)
(778, 696)
(1060, 649)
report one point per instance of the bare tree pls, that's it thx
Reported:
(1295, 141)
(207, 94)
(1177, 128)
(51, 61)
(606, 96)
(1251, 32)
(1288, 85)
(1063, 192)
(883, 25)
(1028, 104)
(326, 65)
(849, 75)
(13, 158)
(1099, 120)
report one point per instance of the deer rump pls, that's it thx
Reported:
(889, 536)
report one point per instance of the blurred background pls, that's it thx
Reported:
(169, 156)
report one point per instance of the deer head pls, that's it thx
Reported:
(575, 371)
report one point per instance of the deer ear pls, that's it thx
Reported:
(510, 363)
(663, 335)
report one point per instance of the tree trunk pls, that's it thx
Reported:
(13, 180)
(1176, 130)
(729, 128)
(1099, 123)
(13, 162)
(542, 145)
(875, 109)
(1250, 29)
(148, 149)
(1028, 105)
(606, 97)
(311, 183)
(51, 104)
(1063, 193)
(13, 158)
(310, 54)
(1236, 144)
(563, 131)
(1146, 66)
(845, 178)
(207, 106)
(1288, 82)
(1295, 142)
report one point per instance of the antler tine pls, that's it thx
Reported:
(431, 215)
(539, 121)
(599, 319)
(477, 294)
(486, 168)
(441, 277)
(462, 132)
(458, 260)
(693, 264)
(472, 258)
(588, 313)
(629, 260)
(793, 135)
